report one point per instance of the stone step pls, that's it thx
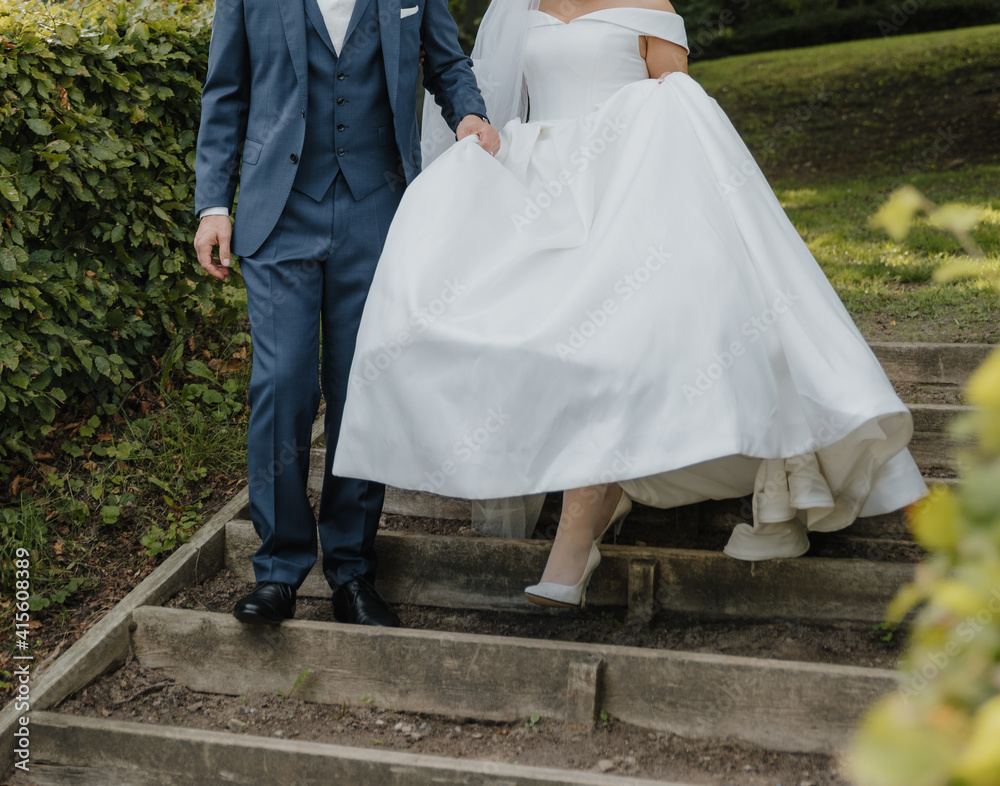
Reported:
(778, 705)
(490, 573)
(99, 752)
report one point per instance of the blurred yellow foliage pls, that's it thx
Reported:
(935, 522)
(896, 216)
(942, 727)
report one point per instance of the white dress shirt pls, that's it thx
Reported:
(337, 15)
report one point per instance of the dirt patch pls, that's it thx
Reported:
(138, 695)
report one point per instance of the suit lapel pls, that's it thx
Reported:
(319, 23)
(293, 21)
(388, 17)
(360, 6)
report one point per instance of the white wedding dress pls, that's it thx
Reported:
(618, 296)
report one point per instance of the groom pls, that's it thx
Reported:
(310, 107)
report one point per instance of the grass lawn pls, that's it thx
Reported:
(837, 128)
(890, 107)
(887, 286)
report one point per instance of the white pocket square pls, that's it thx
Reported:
(405, 12)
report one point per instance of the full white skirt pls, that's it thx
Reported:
(619, 297)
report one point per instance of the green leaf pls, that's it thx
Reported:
(117, 81)
(39, 126)
(198, 369)
(30, 185)
(68, 34)
(91, 426)
(102, 152)
(9, 190)
(72, 449)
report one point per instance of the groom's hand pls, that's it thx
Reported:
(214, 231)
(489, 139)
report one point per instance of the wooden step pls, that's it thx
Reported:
(935, 418)
(99, 752)
(779, 705)
(490, 573)
(934, 364)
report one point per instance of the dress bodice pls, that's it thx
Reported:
(571, 67)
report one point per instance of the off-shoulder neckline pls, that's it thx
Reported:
(603, 10)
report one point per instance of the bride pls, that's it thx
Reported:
(624, 311)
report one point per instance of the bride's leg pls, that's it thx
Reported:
(585, 514)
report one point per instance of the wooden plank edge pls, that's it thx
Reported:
(930, 363)
(812, 707)
(87, 747)
(107, 643)
(489, 573)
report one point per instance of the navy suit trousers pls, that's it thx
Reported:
(308, 282)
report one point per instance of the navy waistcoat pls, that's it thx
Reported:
(349, 124)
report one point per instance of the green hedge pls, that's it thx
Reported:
(719, 28)
(97, 131)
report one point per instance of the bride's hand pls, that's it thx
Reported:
(489, 139)
(664, 75)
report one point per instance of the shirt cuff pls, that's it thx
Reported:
(214, 211)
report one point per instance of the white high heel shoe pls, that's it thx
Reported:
(548, 593)
(622, 509)
(565, 596)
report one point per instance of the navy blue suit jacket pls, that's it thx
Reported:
(257, 87)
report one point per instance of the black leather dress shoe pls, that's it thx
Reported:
(357, 602)
(268, 604)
